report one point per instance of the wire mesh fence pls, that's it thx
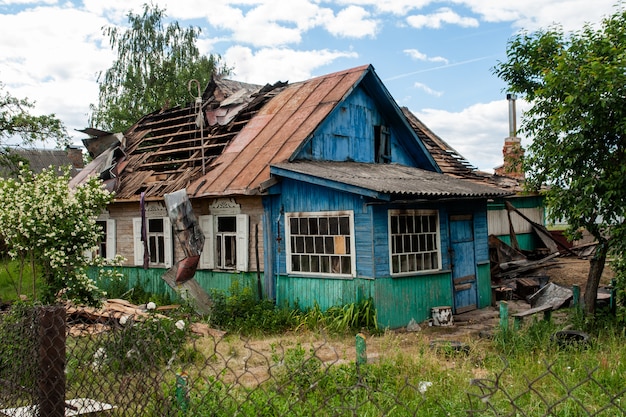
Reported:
(55, 363)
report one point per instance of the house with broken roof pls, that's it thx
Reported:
(318, 191)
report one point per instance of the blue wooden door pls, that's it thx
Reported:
(463, 262)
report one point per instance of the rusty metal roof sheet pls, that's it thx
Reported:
(387, 179)
(275, 133)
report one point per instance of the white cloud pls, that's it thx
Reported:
(278, 64)
(352, 22)
(477, 132)
(396, 7)
(535, 14)
(54, 65)
(415, 54)
(428, 90)
(436, 20)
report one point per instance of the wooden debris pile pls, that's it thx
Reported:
(84, 320)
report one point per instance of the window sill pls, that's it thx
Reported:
(421, 273)
(319, 276)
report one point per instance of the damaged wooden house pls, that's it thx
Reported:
(319, 191)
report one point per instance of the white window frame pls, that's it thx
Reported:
(167, 241)
(413, 239)
(321, 214)
(208, 257)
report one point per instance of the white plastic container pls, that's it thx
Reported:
(442, 316)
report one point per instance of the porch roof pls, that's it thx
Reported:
(382, 181)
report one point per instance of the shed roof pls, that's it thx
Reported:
(39, 159)
(385, 181)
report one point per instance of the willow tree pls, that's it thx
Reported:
(576, 85)
(155, 62)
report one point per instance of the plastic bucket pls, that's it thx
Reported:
(442, 316)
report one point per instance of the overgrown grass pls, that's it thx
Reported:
(12, 287)
(238, 310)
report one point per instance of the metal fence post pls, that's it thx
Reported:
(51, 384)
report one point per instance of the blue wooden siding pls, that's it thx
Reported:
(348, 135)
(397, 299)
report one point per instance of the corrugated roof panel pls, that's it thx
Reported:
(391, 179)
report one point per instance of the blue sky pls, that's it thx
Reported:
(435, 57)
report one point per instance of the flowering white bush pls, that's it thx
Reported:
(45, 222)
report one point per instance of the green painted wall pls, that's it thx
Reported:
(526, 241)
(397, 300)
(484, 284)
(412, 298)
(150, 280)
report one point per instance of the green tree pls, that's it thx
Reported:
(576, 85)
(48, 224)
(155, 63)
(17, 121)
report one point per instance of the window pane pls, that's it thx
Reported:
(402, 224)
(230, 253)
(155, 225)
(346, 265)
(294, 226)
(313, 229)
(344, 226)
(323, 226)
(299, 246)
(308, 245)
(315, 264)
(329, 244)
(226, 224)
(304, 263)
(319, 244)
(304, 226)
(333, 225)
(325, 264)
(295, 263)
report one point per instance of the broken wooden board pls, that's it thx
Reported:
(190, 291)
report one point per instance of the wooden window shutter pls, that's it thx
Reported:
(207, 257)
(168, 242)
(137, 243)
(243, 235)
(111, 239)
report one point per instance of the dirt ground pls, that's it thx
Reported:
(467, 329)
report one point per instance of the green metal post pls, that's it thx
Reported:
(181, 392)
(612, 301)
(504, 315)
(576, 295)
(361, 350)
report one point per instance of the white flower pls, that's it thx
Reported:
(180, 325)
(423, 386)
(151, 306)
(123, 320)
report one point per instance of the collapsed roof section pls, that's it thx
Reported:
(168, 149)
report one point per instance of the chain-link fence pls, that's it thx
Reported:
(55, 362)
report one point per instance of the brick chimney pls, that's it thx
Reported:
(512, 150)
(75, 155)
